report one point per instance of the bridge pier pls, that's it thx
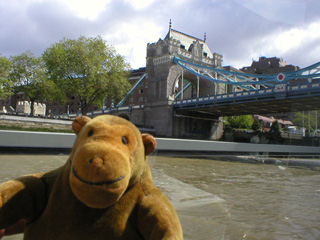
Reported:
(160, 118)
(216, 129)
(196, 127)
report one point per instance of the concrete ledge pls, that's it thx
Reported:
(228, 147)
(35, 119)
(24, 139)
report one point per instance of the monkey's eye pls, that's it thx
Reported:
(90, 133)
(124, 140)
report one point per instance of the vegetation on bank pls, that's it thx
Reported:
(242, 123)
(86, 68)
(308, 120)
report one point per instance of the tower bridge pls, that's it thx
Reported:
(185, 90)
(251, 93)
(265, 101)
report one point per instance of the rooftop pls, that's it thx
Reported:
(188, 40)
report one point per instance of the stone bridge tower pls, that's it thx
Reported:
(164, 78)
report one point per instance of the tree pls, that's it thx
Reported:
(29, 76)
(256, 126)
(88, 68)
(5, 82)
(275, 126)
(302, 119)
(243, 121)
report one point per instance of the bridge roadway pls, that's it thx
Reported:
(281, 98)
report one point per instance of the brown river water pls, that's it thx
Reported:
(219, 199)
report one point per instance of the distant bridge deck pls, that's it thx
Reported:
(109, 110)
(281, 98)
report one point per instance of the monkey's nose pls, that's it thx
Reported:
(96, 161)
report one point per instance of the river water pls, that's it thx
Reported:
(219, 199)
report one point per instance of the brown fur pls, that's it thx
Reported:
(104, 191)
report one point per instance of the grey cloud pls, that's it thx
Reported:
(233, 30)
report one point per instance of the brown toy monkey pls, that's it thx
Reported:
(104, 191)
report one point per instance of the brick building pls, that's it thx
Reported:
(272, 65)
(269, 66)
(138, 95)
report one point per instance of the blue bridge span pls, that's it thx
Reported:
(280, 98)
(250, 93)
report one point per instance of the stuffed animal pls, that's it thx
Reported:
(104, 191)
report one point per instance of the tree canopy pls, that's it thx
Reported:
(302, 119)
(89, 69)
(28, 73)
(275, 126)
(243, 121)
(5, 82)
(256, 126)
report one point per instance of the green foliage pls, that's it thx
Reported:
(299, 119)
(256, 126)
(243, 121)
(28, 73)
(226, 121)
(303, 119)
(88, 68)
(275, 127)
(5, 82)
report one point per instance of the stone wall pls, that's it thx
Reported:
(24, 107)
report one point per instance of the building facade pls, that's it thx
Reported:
(271, 65)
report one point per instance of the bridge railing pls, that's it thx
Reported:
(279, 88)
(107, 111)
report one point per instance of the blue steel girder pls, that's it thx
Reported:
(183, 90)
(247, 80)
(132, 90)
(282, 98)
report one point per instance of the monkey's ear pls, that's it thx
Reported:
(149, 143)
(79, 122)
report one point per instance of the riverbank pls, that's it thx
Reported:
(45, 142)
(22, 123)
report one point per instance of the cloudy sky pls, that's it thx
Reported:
(240, 30)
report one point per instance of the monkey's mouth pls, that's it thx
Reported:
(96, 183)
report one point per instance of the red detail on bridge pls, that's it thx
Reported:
(280, 76)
